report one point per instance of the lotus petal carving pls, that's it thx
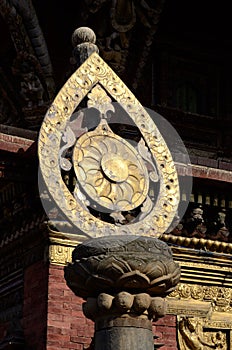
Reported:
(110, 265)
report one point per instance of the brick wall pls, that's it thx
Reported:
(53, 318)
(68, 329)
(165, 329)
(35, 305)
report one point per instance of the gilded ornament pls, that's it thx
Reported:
(192, 335)
(109, 170)
(60, 255)
(219, 297)
(111, 175)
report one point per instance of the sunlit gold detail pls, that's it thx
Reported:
(114, 167)
(199, 243)
(60, 255)
(95, 71)
(100, 100)
(220, 297)
(115, 177)
(194, 335)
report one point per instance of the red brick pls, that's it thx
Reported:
(81, 340)
(54, 330)
(55, 291)
(35, 304)
(168, 320)
(58, 324)
(72, 306)
(57, 317)
(59, 337)
(77, 314)
(76, 346)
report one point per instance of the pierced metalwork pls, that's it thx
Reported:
(110, 173)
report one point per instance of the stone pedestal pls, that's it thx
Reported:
(123, 321)
(124, 333)
(124, 280)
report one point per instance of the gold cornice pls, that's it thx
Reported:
(203, 266)
(190, 260)
(190, 308)
(64, 238)
(198, 243)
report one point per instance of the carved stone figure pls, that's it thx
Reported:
(192, 336)
(195, 225)
(176, 228)
(222, 232)
(31, 90)
(26, 68)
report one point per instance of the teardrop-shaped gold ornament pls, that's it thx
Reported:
(114, 181)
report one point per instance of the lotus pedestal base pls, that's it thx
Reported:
(124, 280)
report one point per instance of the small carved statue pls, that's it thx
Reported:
(222, 232)
(29, 74)
(192, 336)
(31, 90)
(195, 225)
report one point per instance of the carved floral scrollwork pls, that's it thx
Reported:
(220, 297)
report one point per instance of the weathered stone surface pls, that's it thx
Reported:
(126, 263)
(83, 40)
(124, 304)
(127, 337)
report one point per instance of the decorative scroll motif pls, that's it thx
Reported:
(100, 100)
(95, 79)
(192, 336)
(221, 298)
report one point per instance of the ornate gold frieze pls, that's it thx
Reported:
(220, 297)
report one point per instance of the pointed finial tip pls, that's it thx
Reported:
(83, 35)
